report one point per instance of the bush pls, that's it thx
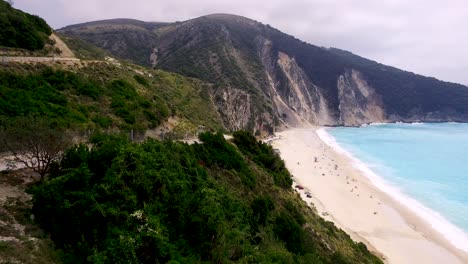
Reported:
(21, 30)
(157, 202)
(261, 208)
(263, 155)
(290, 232)
(141, 80)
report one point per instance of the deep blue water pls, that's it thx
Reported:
(427, 162)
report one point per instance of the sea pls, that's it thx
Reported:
(424, 166)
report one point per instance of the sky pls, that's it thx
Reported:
(428, 37)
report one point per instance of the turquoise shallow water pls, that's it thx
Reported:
(426, 162)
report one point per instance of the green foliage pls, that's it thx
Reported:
(40, 95)
(264, 156)
(83, 49)
(167, 94)
(78, 101)
(141, 80)
(159, 202)
(130, 106)
(22, 30)
(288, 230)
(189, 98)
(215, 150)
(261, 208)
(139, 38)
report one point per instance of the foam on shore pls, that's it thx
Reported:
(456, 236)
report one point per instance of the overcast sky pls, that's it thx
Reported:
(429, 37)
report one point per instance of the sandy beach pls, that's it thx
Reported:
(343, 194)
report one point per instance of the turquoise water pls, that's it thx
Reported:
(425, 162)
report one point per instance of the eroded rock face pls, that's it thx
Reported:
(296, 101)
(234, 106)
(359, 102)
(284, 113)
(154, 57)
(302, 96)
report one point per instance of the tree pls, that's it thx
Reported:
(34, 143)
(10, 2)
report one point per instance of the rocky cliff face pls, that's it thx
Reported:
(234, 105)
(263, 79)
(359, 103)
(301, 95)
(301, 102)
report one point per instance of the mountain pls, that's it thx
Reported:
(263, 79)
(123, 37)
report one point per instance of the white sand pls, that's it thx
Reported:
(342, 194)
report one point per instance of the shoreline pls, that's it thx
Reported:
(455, 235)
(343, 194)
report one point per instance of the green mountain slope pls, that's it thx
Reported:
(22, 30)
(105, 96)
(124, 38)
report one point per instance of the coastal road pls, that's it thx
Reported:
(7, 59)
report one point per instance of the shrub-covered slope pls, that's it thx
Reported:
(124, 38)
(22, 30)
(83, 49)
(159, 202)
(104, 96)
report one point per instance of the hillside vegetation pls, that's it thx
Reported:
(104, 96)
(22, 30)
(137, 41)
(83, 49)
(168, 202)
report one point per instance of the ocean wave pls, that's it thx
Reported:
(454, 234)
(377, 124)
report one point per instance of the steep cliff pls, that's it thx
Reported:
(263, 79)
(301, 95)
(359, 103)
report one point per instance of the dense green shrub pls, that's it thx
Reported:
(112, 201)
(263, 155)
(261, 208)
(22, 30)
(215, 150)
(141, 80)
(37, 95)
(75, 100)
(288, 230)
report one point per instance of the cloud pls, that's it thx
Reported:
(423, 36)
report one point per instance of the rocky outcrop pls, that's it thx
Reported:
(301, 102)
(154, 57)
(301, 95)
(359, 102)
(234, 106)
(285, 114)
(61, 47)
